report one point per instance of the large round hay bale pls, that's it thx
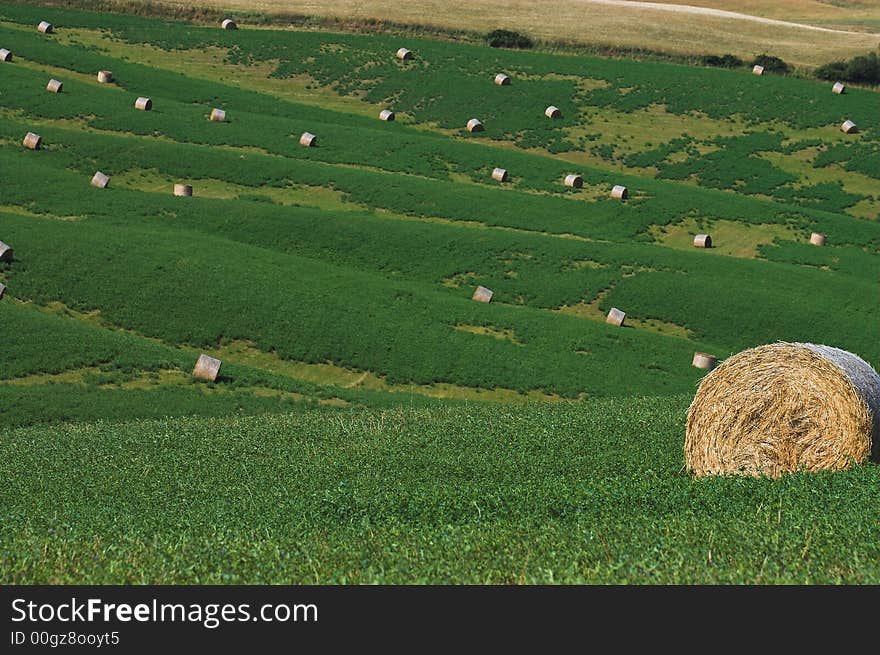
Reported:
(5, 252)
(386, 115)
(502, 80)
(218, 115)
(781, 408)
(183, 190)
(207, 368)
(573, 180)
(5, 55)
(619, 192)
(500, 174)
(615, 317)
(2, 290)
(757, 70)
(54, 86)
(702, 241)
(552, 112)
(474, 125)
(32, 141)
(482, 294)
(228, 24)
(308, 139)
(404, 54)
(704, 361)
(817, 239)
(838, 88)
(144, 104)
(848, 127)
(105, 77)
(44, 27)
(100, 180)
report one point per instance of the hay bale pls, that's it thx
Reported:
(5, 252)
(474, 125)
(781, 408)
(615, 317)
(32, 141)
(183, 190)
(757, 70)
(705, 361)
(619, 192)
(849, 127)
(100, 180)
(386, 115)
(482, 294)
(502, 80)
(144, 104)
(500, 175)
(5, 55)
(105, 77)
(54, 86)
(838, 88)
(818, 239)
(575, 181)
(207, 368)
(44, 27)
(308, 140)
(404, 54)
(218, 115)
(2, 290)
(228, 24)
(702, 241)
(552, 112)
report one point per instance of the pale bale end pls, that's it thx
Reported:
(2, 290)
(32, 141)
(482, 294)
(54, 86)
(575, 181)
(183, 190)
(702, 241)
(228, 24)
(552, 112)
(705, 361)
(5, 252)
(619, 192)
(308, 140)
(781, 408)
(5, 55)
(105, 77)
(615, 317)
(207, 368)
(502, 80)
(818, 239)
(757, 70)
(218, 115)
(44, 27)
(849, 127)
(100, 180)
(474, 125)
(404, 54)
(500, 175)
(386, 115)
(144, 104)
(838, 88)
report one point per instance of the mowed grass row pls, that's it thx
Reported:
(568, 493)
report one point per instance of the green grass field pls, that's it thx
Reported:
(372, 423)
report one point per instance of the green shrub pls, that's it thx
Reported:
(864, 69)
(771, 64)
(509, 39)
(724, 61)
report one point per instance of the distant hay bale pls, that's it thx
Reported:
(5, 252)
(552, 112)
(228, 24)
(818, 239)
(54, 86)
(704, 361)
(500, 175)
(2, 290)
(144, 104)
(781, 408)
(183, 190)
(5, 55)
(482, 294)
(105, 77)
(615, 317)
(838, 88)
(404, 54)
(308, 140)
(207, 368)
(44, 27)
(619, 192)
(100, 180)
(849, 127)
(386, 115)
(702, 241)
(502, 80)
(474, 125)
(218, 115)
(575, 181)
(32, 141)
(757, 70)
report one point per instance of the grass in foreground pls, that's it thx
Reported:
(590, 493)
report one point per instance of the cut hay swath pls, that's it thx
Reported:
(781, 408)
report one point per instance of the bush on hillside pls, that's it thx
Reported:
(771, 64)
(509, 39)
(864, 69)
(724, 61)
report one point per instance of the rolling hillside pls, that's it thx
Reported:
(335, 284)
